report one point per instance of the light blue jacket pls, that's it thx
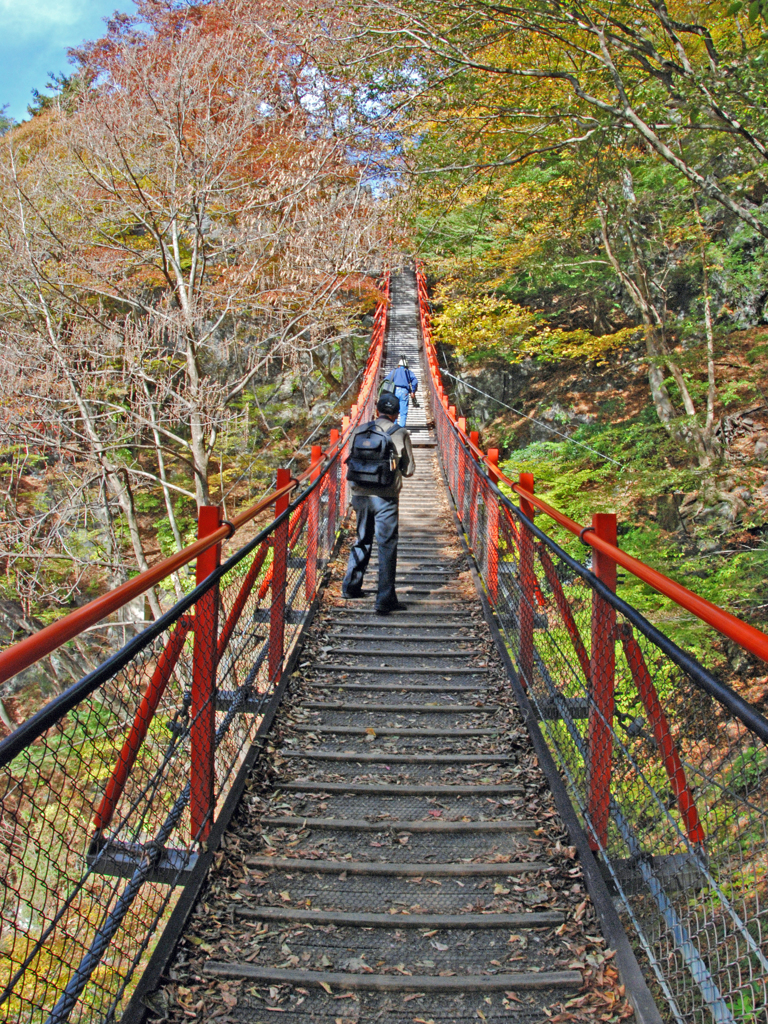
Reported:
(402, 377)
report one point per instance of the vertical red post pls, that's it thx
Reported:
(313, 516)
(202, 731)
(474, 473)
(345, 421)
(334, 476)
(279, 573)
(474, 488)
(492, 534)
(527, 584)
(461, 483)
(602, 665)
(453, 469)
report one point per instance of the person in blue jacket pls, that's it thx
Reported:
(406, 384)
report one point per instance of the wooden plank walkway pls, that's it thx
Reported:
(398, 856)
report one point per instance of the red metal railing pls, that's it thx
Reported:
(136, 763)
(26, 652)
(666, 765)
(742, 633)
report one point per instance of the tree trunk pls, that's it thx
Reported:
(686, 431)
(710, 334)
(324, 371)
(198, 447)
(164, 483)
(348, 359)
(116, 480)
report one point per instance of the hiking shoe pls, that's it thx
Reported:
(387, 608)
(353, 595)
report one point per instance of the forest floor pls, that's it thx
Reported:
(630, 466)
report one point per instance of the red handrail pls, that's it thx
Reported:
(32, 648)
(26, 652)
(748, 637)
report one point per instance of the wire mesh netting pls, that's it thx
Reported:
(110, 793)
(667, 767)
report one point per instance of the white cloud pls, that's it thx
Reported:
(41, 19)
(35, 36)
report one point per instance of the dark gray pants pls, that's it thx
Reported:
(375, 517)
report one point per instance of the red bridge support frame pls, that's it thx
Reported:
(138, 731)
(343, 474)
(332, 485)
(492, 508)
(462, 470)
(528, 586)
(204, 662)
(313, 523)
(663, 736)
(602, 672)
(128, 803)
(279, 575)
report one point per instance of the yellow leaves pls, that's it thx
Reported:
(484, 323)
(492, 325)
(583, 345)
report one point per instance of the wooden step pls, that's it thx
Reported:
(401, 789)
(383, 869)
(523, 982)
(399, 670)
(408, 638)
(395, 825)
(386, 730)
(385, 758)
(396, 652)
(398, 687)
(342, 919)
(438, 616)
(418, 709)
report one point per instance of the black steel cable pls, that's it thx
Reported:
(49, 715)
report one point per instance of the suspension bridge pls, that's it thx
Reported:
(272, 800)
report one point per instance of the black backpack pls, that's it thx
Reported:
(373, 459)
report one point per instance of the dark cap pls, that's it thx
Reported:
(388, 403)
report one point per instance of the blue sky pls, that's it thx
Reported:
(34, 38)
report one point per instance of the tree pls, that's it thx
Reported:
(189, 219)
(673, 82)
(547, 99)
(6, 122)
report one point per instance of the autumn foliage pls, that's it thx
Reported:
(183, 225)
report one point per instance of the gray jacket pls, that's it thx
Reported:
(401, 439)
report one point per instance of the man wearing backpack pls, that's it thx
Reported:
(405, 384)
(380, 456)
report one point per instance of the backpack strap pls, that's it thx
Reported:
(375, 425)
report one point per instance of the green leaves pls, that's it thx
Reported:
(755, 10)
